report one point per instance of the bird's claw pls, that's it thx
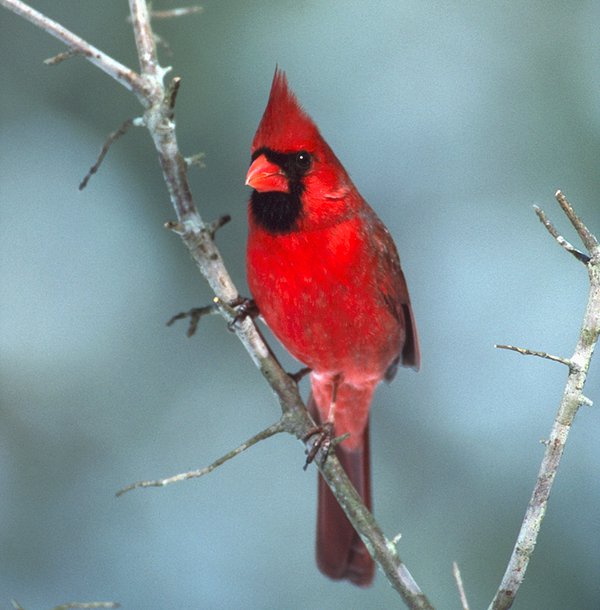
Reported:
(244, 307)
(323, 442)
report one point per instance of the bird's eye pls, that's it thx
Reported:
(303, 160)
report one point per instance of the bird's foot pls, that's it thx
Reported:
(323, 442)
(244, 307)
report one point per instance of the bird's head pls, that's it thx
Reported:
(298, 181)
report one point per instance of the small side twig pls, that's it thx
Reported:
(60, 57)
(584, 258)
(87, 605)
(171, 95)
(298, 376)
(198, 160)
(195, 315)
(460, 586)
(173, 13)
(530, 352)
(587, 237)
(72, 605)
(112, 138)
(277, 427)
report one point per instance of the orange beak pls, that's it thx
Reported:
(266, 176)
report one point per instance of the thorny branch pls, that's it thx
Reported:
(572, 399)
(198, 237)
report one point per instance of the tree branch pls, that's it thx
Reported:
(572, 399)
(198, 237)
(276, 428)
(530, 352)
(122, 74)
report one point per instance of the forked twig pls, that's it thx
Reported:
(112, 138)
(584, 258)
(572, 399)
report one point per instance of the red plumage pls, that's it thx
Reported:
(326, 277)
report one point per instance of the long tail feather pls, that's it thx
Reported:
(340, 551)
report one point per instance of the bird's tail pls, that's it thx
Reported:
(340, 551)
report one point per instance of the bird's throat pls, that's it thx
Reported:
(276, 212)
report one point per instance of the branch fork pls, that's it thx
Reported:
(572, 399)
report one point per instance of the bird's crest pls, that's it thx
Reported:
(285, 126)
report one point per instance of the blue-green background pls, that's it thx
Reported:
(453, 118)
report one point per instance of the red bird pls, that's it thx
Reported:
(326, 277)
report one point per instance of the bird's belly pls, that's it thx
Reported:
(329, 316)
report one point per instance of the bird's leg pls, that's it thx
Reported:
(324, 431)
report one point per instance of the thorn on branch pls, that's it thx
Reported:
(195, 474)
(176, 227)
(171, 95)
(159, 41)
(580, 256)
(197, 160)
(460, 586)
(173, 13)
(396, 539)
(176, 12)
(529, 352)
(215, 225)
(299, 375)
(60, 57)
(112, 138)
(194, 315)
(17, 606)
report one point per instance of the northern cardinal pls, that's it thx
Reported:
(326, 277)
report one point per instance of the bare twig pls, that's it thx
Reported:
(530, 352)
(60, 57)
(173, 13)
(183, 11)
(112, 138)
(460, 586)
(197, 237)
(195, 315)
(73, 605)
(572, 399)
(198, 160)
(276, 428)
(584, 258)
(589, 240)
(87, 605)
(124, 75)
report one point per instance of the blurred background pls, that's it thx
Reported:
(453, 119)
